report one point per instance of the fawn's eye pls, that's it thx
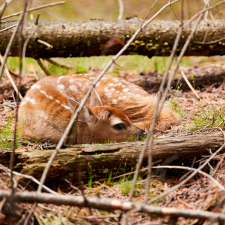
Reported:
(119, 126)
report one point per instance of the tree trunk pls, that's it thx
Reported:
(109, 160)
(99, 37)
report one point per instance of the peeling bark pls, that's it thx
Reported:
(101, 161)
(99, 37)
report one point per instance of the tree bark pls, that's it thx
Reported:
(109, 160)
(99, 37)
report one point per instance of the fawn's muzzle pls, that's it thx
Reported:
(142, 134)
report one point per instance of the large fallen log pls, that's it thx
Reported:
(108, 160)
(100, 37)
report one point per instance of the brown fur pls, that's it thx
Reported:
(44, 113)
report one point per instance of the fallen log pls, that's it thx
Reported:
(200, 78)
(108, 160)
(101, 37)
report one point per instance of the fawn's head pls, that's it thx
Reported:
(104, 123)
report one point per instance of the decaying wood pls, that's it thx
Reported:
(198, 78)
(101, 161)
(99, 37)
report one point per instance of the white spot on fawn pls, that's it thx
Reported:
(111, 84)
(23, 103)
(59, 79)
(66, 107)
(36, 86)
(108, 94)
(48, 96)
(61, 87)
(31, 100)
(126, 89)
(114, 101)
(73, 88)
(119, 98)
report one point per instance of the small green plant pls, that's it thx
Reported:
(206, 117)
(173, 105)
(6, 135)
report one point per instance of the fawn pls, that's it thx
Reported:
(116, 110)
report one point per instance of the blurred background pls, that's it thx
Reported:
(109, 9)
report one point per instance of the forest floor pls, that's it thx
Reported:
(199, 194)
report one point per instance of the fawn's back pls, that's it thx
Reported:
(113, 112)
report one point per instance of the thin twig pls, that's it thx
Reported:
(108, 204)
(25, 47)
(209, 42)
(192, 175)
(28, 177)
(121, 9)
(12, 157)
(218, 164)
(2, 9)
(44, 43)
(8, 28)
(42, 67)
(58, 64)
(10, 43)
(192, 169)
(188, 83)
(10, 78)
(35, 8)
(74, 116)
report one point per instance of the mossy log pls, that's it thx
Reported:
(101, 37)
(108, 160)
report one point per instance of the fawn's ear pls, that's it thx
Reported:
(94, 99)
(85, 115)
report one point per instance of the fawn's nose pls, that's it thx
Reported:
(142, 134)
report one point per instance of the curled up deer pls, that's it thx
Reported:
(116, 110)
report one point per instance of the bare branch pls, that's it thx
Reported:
(108, 204)
(58, 64)
(188, 83)
(10, 43)
(192, 169)
(28, 177)
(36, 8)
(121, 9)
(10, 78)
(8, 28)
(42, 67)
(44, 43)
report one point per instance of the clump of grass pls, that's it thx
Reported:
(206, 117)
(6, 135)
(173, 105)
